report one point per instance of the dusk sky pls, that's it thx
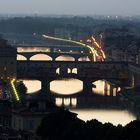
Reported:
(71, 7)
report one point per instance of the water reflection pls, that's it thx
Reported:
(104, 88)
(41, 57)
(66, 86)
(21, 57)
(105, 115)
(32, 85)
(84, 59)
(65, 58)
(66, 102)
(71, 86)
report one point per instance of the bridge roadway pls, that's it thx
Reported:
(54, 55)
(53, 51)
(92, 71)
(47, 46)
(53, 48)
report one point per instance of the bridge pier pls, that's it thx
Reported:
(87, 87)
(76, 59)
(45, 88)
(111, 90)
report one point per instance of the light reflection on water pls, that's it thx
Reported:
(105, 115)
(65, 87)
(32, 85)
(71, 86)
(66, 102)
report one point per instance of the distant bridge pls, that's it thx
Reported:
(54, 51)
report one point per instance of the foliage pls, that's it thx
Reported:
(22, 90)
(60, 125)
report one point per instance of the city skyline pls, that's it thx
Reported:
(73, 7)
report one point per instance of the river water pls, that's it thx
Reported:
(71, 86)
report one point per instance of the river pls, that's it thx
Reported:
(71, 86)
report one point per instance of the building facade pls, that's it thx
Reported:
(7, 60)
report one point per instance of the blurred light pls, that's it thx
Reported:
(14, 89)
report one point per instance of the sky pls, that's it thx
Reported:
(71, 7)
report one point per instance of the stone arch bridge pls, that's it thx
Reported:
(47, 71)
(54, 51)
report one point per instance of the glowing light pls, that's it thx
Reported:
(95, 42)
(74, 101)
(67, 101)
(99, 47)
(103, 54)
(89, 40)
(14, 89)
(119, 89)
(58, 101)
(94, 53)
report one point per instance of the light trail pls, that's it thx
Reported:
(14, 89)
(99, 47)
(93, 51)
(95, 42)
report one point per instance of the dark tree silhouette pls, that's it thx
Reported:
(22, 90)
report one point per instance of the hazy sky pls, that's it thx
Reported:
(78, 7)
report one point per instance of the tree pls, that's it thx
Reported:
(61, 124)
(22, 90)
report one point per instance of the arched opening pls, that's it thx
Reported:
(66, 86)
(43, 57)
(105, 88)
(32, 85)
(65, 58)
(74, 70)
(66, 101)
(74, 101)
(69, 70)
(58, 101)
(58, 71)
(21, 57)
(85, 58)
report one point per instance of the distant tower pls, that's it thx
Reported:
(7, 61)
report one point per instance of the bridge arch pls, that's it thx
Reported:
(65, 58)
(21, 57)
(105, 87)
(75, 71)
(69, 70)
(67, 86)
(41, 56)
(85, 58)
(32, 85)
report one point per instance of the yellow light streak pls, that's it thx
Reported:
(94, 53)
(95, 42)
(103, 54)
(14, 89)
(99, 47)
